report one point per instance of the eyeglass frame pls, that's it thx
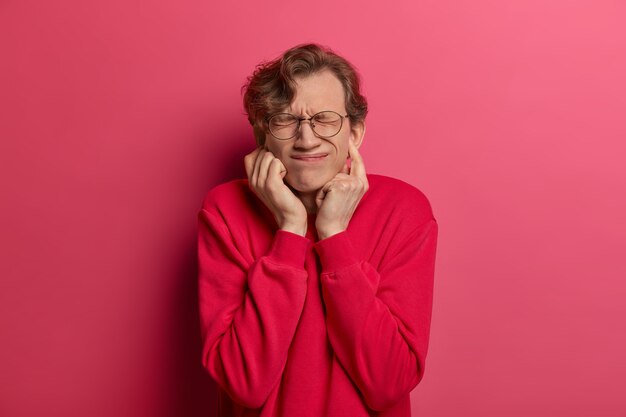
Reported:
(301, 119)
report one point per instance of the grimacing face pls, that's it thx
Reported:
(312, 161)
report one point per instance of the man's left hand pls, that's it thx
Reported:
(339, 197)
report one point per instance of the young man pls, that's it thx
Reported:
(315, 278)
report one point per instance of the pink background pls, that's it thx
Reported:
(116, 118)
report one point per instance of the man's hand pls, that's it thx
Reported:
(265, 177)
(338, 198)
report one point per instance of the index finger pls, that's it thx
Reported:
(357, 168)
(249, 160)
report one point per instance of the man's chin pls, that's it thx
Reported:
(305, 185)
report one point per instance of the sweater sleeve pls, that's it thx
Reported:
(378, 321)
(249, 310)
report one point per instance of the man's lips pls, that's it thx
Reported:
(310, 157)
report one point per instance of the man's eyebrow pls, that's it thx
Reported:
(290, 110)
(313, 111)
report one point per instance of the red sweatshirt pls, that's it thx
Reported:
(295, 326)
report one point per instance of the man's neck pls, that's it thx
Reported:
(308, 199)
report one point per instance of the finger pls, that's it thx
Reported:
(282, 168)
(319, 197)
(248, 162)
(321, 194)
(356, 165)
(255, 171)
(357, 168)
(264, 167)
(273, 175)
(276, 171)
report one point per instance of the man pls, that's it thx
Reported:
(315, 278)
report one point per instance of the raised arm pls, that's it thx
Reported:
(248, 310)
(378, 321)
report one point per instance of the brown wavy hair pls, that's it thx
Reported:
(271, 87)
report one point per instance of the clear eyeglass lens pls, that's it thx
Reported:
(285, 126)
(327, 123)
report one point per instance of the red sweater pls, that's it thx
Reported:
(296, 326)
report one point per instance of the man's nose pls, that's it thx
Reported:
(306, 138)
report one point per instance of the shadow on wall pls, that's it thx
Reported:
(193, 392)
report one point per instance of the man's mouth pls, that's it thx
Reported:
(310, 157)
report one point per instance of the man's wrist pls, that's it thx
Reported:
(336, 252)
(326, 233)
(297, 228)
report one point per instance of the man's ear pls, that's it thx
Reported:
(357, 132)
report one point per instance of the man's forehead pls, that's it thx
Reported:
(318, 91)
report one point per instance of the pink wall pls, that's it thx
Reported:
(116, 117)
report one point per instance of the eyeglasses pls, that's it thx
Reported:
(325, 124)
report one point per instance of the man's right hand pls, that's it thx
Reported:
(265, 177)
